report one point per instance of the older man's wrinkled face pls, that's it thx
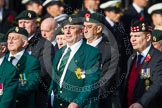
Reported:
(90, 30)
(140, 40)
(73, 33)
(29, 25)
(15, 42)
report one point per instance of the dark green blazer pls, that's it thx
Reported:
(9, 79)
(26, 94)
(80, 91)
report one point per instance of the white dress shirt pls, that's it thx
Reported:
(1, 14)
(96, 42)
(17, 57)
(144, 53)
(110, 22)
(74, 48)
(1, 60)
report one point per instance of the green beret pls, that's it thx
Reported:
(92, 17)
(2, 38)
(72, 20)
(59, 31)
(18, 30)
(157, 35)
(27, 15)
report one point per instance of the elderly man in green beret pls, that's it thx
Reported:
(27, 66)
(76, 70)
(93, 27)
(40, 48)
(8, 78)
(157, 39)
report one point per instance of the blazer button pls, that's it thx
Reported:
(60, 104)
(60, 91)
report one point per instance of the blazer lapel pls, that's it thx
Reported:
(76, 62)
(21, 63)
(145, 63)
(130, 62)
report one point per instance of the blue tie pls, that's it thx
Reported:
(139, 58)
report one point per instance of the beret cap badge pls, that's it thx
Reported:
(154, 38)
(70, 19)
(29, 15)
(17, 29)
(143, 27)
(87, 16)
(117, 5)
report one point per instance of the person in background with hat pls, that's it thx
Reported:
(8, 79)
(28, 67)
(48, 27)
(93, 27)
(76, 70)
(135, 11)
(157, 39)
(143, 82)
(55, 9)
(114, 24)
(156, 14)
(36, 6)
(112, 12)
(60, 37)
(40, 48)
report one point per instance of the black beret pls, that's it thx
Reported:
(72, 20)
(27, 15)
(59, 31)
(18, 30)
(141, 26)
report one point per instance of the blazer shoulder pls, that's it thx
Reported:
(9, 64)
(30, 58)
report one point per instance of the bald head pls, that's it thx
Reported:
(48, 26)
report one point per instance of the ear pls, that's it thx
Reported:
(99, 29)
(25, 43)
(3, 49)
(148, 37)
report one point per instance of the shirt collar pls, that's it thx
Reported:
(54, 42)
(30, 37)
(110, 22)
(1, 60)
(18, 55)
(145, 52)
(96, 42)
(76, 46)
(138, 9)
